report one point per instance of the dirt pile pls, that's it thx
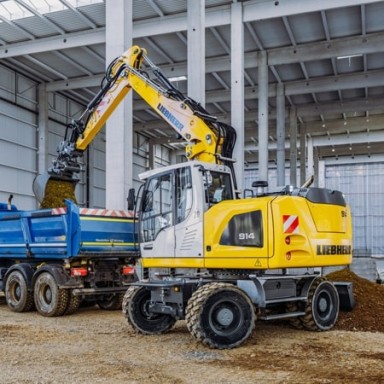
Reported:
(368, 314)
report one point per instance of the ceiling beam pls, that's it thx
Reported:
(367, 44)
(69, 40)
(252, 11)
(371, 123)
(262, 10)
(323, 84)
(372, 78)
(355, 138)
(344, 106)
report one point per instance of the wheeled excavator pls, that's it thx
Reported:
(209, 257)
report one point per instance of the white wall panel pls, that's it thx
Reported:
(18, 123)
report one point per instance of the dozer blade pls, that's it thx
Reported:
(51, 190)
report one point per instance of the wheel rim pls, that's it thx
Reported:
(15, 292)
(225, 317)
(325, 306)
(47, 294)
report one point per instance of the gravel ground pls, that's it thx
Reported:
(95, 346)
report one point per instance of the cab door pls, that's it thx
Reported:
(157, 229)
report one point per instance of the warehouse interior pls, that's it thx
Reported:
(301, 82)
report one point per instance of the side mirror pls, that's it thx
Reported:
(131, 199)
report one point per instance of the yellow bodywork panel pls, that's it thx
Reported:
(290, 234)
(270, 232)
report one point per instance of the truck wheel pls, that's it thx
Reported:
(322, 309)
(18, 298)
(50, 300)
(135, 308)
(220, 315)
(73, 304)
(111, 302)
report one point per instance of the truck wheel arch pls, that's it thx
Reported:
(56, 271)
(26, 270)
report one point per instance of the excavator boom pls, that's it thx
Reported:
(207, 139)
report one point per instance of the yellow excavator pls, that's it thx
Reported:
(208, 140)
(207, 256)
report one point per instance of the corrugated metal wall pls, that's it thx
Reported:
(18, 123)
(363, 186)
(18, 144)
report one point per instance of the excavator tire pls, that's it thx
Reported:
(17, 295)
(135, 309)
(322, 308)
(294, 322)
(50, 300)
(111, 302)
(220, 315)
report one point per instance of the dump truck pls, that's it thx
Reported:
(208, 255)
(55, 259)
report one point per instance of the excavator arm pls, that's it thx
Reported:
(207, 139)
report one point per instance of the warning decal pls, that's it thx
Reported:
(291, 224)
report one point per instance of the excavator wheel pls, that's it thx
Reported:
(322, 309)
(135, 309)
(111, 302)
(220, 315)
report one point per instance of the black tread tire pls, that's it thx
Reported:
(322, 308)
(135, 310)
(294, 322)
(73, 304)
(220, 299)
(50, 300)
(17, 295)
(111, 302)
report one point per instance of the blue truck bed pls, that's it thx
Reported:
(55, 259)
(65, 233)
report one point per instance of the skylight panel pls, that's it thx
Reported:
(12, 10)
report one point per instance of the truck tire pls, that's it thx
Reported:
(73, 304)
(50, 300)
(135, 309)
(220, 315)
(111, 302)
(17, 295)
(322, 308)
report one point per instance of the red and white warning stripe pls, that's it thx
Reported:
(105, 212)
(291, 224)
(95, 212)
(58, 211)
